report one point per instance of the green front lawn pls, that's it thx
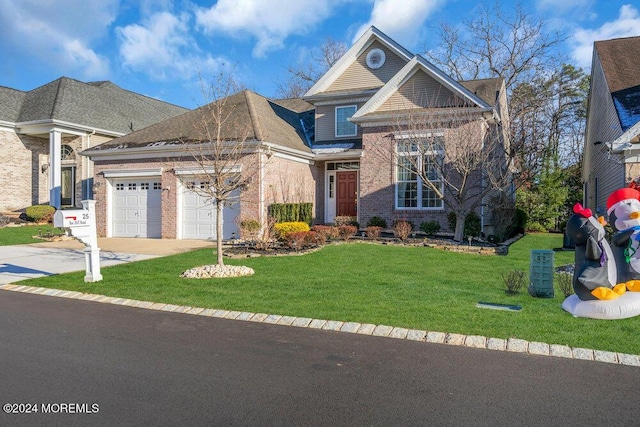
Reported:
(23, 235)
(412, 287)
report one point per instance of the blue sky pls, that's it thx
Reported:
(159, 47)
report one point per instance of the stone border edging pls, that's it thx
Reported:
(474, 341)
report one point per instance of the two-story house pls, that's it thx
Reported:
(331, 148)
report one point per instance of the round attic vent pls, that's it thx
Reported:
(375, 58)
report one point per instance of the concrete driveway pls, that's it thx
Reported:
(22, 262)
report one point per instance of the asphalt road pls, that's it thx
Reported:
(142, 367)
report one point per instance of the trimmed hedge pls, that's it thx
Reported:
(40, 213)
(292, 212)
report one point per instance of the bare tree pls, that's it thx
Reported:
(495, 44)
(225, 156)
(458, 156)
(303, 76)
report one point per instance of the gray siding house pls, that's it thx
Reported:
(612, 140)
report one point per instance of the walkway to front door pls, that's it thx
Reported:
(347, 200)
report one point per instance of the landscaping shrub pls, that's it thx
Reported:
(373, 232)
(402, 229)
(430, 228)
(565, 283)
(249, 229)
(376, 221)
(347, 231)
(283, 228)
(472, 225)
(292, 212)
(304, 239)
(514, 280)
(345, 220)
(328, 231)
(40, 213)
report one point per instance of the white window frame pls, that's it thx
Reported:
(420, 185)
(355, 127)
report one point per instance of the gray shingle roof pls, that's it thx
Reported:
(252, 116)
(620, 60)
(100, 105)
(10, 102)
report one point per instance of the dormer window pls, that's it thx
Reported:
(343, 126)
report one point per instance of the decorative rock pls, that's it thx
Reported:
(400, 333)
(583, 353)
(539, 348)
(217, 271)
(475, 341)
(416, 335)
(436, 337)
(629, 359)
(517, 345)
(351, 327)
(454, 339)
(605, 356)
(560, 351)
(366, 329)
(496, 344)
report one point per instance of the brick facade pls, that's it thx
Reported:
(282, 180)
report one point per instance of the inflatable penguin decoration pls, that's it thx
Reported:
(594, 276)
(623, 208)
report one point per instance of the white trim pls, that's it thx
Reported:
(335, 114)
(195, 171)
(397, 81)
(623, 142)
(132, 173)
(44, 126)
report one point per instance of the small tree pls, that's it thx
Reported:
(225, 154)
(457, 153)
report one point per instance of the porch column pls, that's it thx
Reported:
(55, 168)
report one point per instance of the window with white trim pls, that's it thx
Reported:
(411, 191)
(343, 126)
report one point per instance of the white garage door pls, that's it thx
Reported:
(199, 215)
(137, 208)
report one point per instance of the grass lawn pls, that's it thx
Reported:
(24, 235)
(412, 287)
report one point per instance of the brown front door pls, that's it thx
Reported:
(347, 203)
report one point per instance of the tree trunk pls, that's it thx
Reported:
(219, 236)
(458, 235)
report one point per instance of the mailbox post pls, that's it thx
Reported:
(81, 224)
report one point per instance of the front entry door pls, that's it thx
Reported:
(347, 200)
(68, 184)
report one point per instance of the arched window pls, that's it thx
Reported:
(67, 153)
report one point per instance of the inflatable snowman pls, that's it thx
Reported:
(623, 208)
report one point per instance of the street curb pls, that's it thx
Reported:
(473, 341)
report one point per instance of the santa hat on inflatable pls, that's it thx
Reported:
(620, 196)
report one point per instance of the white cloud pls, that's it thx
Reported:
(400, 19)
(268, 21)
(163, 48)
(58, 33)
(627, 25)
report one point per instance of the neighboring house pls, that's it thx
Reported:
(612, 140)
(316, 149)
(43, 130)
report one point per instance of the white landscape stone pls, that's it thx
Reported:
(217, 271)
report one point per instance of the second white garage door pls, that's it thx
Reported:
(137, 205)
(199, 215)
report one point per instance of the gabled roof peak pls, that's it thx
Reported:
(351, 55)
